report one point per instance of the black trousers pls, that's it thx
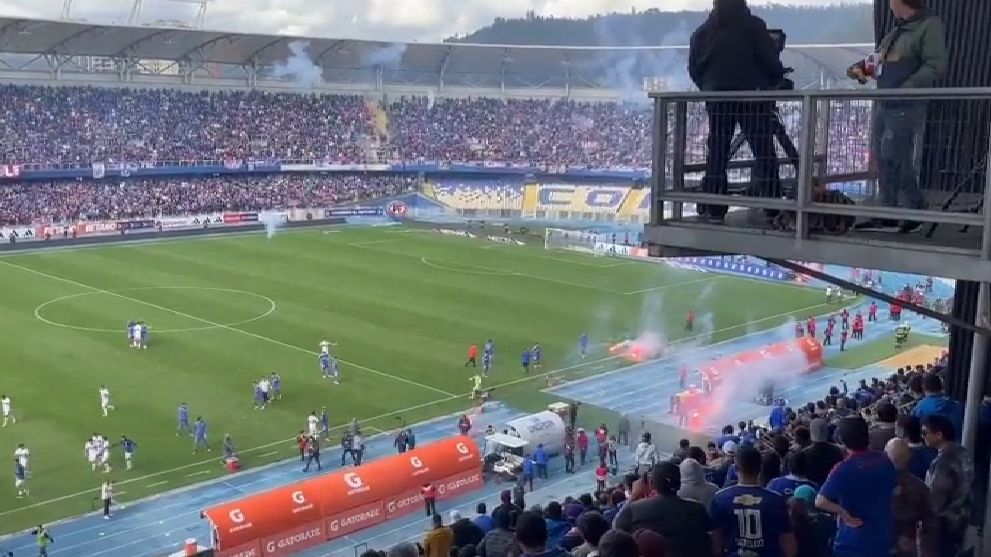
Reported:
(758, 122)
(430, 505)
(314, 457)
(106, 506)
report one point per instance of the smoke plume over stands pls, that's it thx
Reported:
(299, 67)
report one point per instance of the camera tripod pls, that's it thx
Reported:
(780, 133)
(959, 189)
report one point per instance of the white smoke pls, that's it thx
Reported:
(743, 383)
(299, 67)
(631, 70)
(273, 221)
(389, 56)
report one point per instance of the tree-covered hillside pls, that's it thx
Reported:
(850, 23)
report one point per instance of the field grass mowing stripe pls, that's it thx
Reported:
(673, 284)
(289, 440)
(223, 326)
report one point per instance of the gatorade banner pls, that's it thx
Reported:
(356, 212)
(804, 353)
(298, 516)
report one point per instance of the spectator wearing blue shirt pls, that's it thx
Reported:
(525, 360)
(750, 520)
(779, 416)
(557, 525)
(541, 459)
(935, 401)
(786, 485)
(528, 469)
(482, 518)
(727, 436)
(858, 491)
(910, 429)
(531, 535)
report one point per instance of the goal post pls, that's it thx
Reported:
(571, 240)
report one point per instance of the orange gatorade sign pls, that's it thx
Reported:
(289, 519)
(805, 351)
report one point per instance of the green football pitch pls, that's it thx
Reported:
(402, 304)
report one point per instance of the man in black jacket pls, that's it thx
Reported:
(733, 51)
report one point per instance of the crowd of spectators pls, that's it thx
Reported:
(49, 126)
(877, 471)
(32, 202)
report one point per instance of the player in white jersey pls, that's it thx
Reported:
(325, 346)
(265, 386)
(92, 452)
(7, 409)
(136, 335)
(21, 454)
(104, 455)
(313, 422)
(105, 403)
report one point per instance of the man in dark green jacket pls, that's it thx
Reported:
(913, 55)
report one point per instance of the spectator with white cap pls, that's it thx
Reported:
(465, 531)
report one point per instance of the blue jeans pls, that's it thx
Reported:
(898, 130)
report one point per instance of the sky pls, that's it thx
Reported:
(392, 20)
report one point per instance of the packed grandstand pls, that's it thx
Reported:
(82, 154)
(94, 133)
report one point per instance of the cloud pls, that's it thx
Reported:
(382, 20)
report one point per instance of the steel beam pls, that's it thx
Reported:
(851, 251)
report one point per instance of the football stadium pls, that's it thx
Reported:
(267, 295)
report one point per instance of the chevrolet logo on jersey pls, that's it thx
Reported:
(747, 500)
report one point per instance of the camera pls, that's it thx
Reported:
(780, 39)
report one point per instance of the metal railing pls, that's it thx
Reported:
(868, 145)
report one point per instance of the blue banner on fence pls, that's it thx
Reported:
(355, 212)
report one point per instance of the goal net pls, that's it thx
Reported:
(573, 240)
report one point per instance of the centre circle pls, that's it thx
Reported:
(120, 292)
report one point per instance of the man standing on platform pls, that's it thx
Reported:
(913, 55)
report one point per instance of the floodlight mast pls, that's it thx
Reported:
(135, 17)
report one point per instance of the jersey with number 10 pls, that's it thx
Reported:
(752, 520)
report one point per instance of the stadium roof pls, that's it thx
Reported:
(32, 36)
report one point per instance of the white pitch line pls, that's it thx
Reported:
(285, 441)
(269, 454)
(673, 284)
(156, 484)
(200, 473)
(221, 326)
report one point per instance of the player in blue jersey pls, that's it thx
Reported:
(199, 436)
(486, 363)
(183, 417)
(129, 447)
(583, 344)
(489, 348)
(325, 364)
(536, 352)
(130, 332)
(143, 335)
(749, 520)
(335, 370)
(525, 361)
(324, 423)
(276, 381)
